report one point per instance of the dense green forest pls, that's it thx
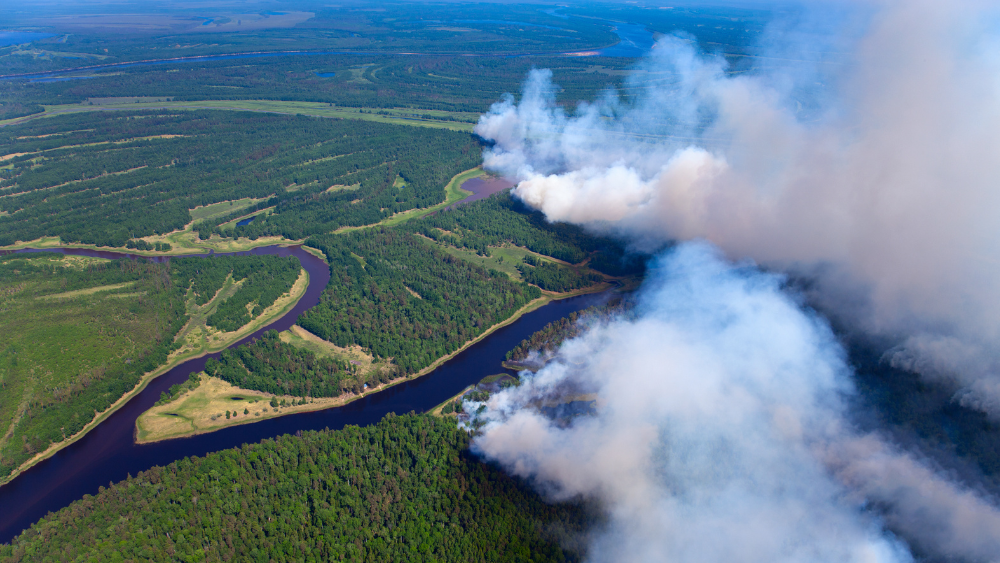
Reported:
(553, 277)
(263, 279)
(272, 366)
(397, 296)
(503, 219)
(104, 180)
(75, 335)
(405, 489)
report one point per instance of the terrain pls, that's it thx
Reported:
(347, 130)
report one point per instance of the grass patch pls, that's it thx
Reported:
(204, 409)
(222, 208)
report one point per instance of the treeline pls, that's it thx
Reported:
(66, 398)
(106, 181)
(12, 109)
(405, 489)
(403, 300)
(501, 219)
(272, 366)
(263, 279)
(552, 335)
(554, 277)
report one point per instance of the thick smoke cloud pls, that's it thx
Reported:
(720, 434)
(882, 185)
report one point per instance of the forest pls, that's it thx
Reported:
(262, 279)
(397, 296)
(95, 179)
(272, 366)
(502, 219)
(405, 489)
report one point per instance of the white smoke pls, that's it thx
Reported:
(719, 434)
(887, 193)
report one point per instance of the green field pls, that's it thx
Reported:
(75, 335)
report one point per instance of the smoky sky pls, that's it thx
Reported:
(860, 152)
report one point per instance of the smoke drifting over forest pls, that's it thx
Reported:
(886, 192)
(721, 432)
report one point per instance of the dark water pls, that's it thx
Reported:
(20, 37)
(325, 74)
(482, 189)
(108, 453)
(246, 221)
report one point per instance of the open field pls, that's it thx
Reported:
(204, 410)
(458, 121)
(214, 210)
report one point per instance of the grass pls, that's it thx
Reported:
(53, 342)
(203, 409)
(397, 116)
(302, 338)
(214, 210)
(89, 291)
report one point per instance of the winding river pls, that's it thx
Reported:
(108, 453)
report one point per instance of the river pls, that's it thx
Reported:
(108, 453)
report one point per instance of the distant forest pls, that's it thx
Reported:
(104, 180)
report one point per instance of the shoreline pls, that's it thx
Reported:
(144, 381)
(532, 305)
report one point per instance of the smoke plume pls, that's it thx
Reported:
(720, 435)
(874, 172)
(720, 431)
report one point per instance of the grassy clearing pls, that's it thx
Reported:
(302, 338)
(457, 121)
(88, 291)
(222, 208)
(203, 409)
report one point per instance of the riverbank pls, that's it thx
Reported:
(187, 352)
(194, 410)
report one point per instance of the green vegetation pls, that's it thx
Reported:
(404, 489)
(554, 277)
(272, 366)
(75, 335)
(262, 279)
(112, 180)
(406, 300)
(455, 121)
(500, 219)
